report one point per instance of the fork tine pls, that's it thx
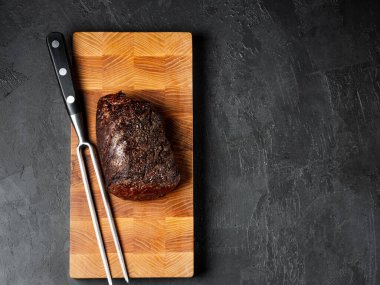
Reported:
(93, 214)
(108, 212)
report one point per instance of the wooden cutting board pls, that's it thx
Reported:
(156, 236)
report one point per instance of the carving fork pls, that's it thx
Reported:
(59, 56)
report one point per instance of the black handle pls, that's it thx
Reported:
(59, 56)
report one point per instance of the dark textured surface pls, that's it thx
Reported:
(287, 104)
(136, 157)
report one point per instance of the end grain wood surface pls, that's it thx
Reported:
(156, 236)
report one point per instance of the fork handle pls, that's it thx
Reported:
(59, 56)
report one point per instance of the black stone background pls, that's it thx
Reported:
(287, 140)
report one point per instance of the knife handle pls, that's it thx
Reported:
(59, 56)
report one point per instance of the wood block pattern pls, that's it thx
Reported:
(156, 236)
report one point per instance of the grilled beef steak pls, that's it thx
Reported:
(136, 157)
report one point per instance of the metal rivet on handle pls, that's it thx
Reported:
(70, 99)
(62, 71)
(55, 44)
